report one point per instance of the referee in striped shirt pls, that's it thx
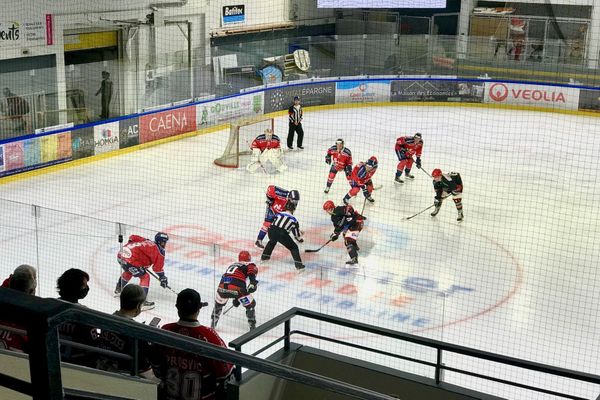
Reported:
(295, 118)
(279, 232)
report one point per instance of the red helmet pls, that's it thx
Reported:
(328, 205)
(244, 256)
(436, 173)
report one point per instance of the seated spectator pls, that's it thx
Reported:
(73, 286)
(187, 376)
(21, 269)
(132, 298)
(24, 281)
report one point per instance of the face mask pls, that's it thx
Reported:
(83, 292)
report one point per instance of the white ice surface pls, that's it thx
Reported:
(518, 277)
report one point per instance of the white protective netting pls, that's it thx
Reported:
(241, 135)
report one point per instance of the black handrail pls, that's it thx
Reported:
(440, 347)
(41, 318)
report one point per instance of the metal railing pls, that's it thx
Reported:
(42, 317)
(440, 347)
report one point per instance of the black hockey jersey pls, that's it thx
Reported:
(345, 218)
(451, 182)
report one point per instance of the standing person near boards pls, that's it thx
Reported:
(295, 119)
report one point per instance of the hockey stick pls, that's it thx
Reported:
(317, 250)
(158, 279)
(363, 207)
(420, 212)
(425, 172)
(226, 311)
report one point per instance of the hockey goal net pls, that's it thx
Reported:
(241, 134)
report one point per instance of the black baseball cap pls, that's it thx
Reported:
(188, 301)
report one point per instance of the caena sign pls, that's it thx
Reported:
(531, 95)
(167, 123)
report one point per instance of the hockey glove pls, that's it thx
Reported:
(252, 287)
(164, 282)
(328, 159)
(236, 303)
(334, 236)
(418, 163)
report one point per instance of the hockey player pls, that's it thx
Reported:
(279, 232)
(340, 158)
(276, 201)
(361, 179)
(233, 286)
(348, 222)
(137, 256)
(406, 148)
(446, 185)
(266, 147)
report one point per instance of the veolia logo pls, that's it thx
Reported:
(498, 92)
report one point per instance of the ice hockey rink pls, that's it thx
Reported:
(519, 276)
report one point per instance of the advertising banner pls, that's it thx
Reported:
(129, 132)
(32, 152)
(106, 137)
(565, 98)
(219, 111)
(434, 90)
(49, 146)
(29, 32)
(167, 123)
(1, 158)
(13, 156)
(362, 91)
(310, 95)
(589, 100)
(233, 15)
(82, 142)
(64, 149)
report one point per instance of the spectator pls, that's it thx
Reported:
(196, 377)
(24, 281)
(15, 108)
(132, 298)
(20, 271)
(73, 286)
(106, 90)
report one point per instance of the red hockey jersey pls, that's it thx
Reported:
(142, 252)
(277, 197)
(341, 159)
(262, 143)
(188, 376)
(408, 145)
(360, 175)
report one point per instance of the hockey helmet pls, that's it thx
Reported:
(436, 173)
(340, 141)
(328, 206)
(269, 132)
(418, 136)
(244, 256)
(294, 196)
(372, 162)
(161, 239)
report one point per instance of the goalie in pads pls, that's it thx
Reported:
(266, 147)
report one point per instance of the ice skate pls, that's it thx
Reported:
(259, 244)
(147, 305)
